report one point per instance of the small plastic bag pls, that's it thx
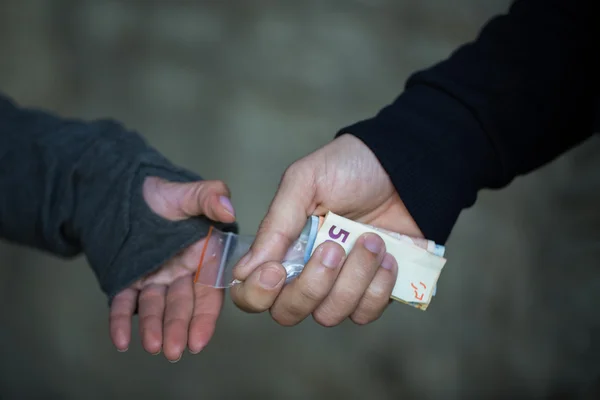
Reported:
(223, 250)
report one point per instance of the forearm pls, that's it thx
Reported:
(70, 186)
(523, 93)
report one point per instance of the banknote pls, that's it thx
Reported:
(426, 244)
(419, 260)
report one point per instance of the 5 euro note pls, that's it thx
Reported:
(420, 261)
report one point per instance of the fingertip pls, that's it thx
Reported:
(174, 356)
(196, 347)
(173, 361)
(236, 293)
(221, 209)
(174, 345)
(120, 340)
(331, 254)
(259, 291)
(152, 344)
(226, 204)
(389, 263)
(242, 269)
(373, 243)
(197, 337)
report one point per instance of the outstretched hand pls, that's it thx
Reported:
(173, 311)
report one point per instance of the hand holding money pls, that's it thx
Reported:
(346, 178)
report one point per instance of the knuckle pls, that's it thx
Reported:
(248, 306)
(201, 192)
(293, 311)
(118, 317)
(286, 318)
(345, 298)
(171, 321)
(299, 302)
(150, 294)
(364, 263)
(241, 303)
(364, 273)
(326, 319)
(300, 173)
(378, 292)
(147, 319)
(289, 314)
(221, 188)
(362, 318)
(311, 291)
(221, 185)
(370, 260)
(191, 191)
(370, 307)
(204, 200)
(244, 299)
(257, 303)
(291, 172)
(178, 302)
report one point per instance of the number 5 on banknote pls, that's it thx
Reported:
(342, 233)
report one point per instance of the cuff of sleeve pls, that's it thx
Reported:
(123, 239)
(153, 240)
(435, 153)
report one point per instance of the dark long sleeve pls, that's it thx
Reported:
(521, 94)
(70, 187)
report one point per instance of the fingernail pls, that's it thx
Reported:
(373, 243)
(388, 262)
(157, 353)
(123, 351)
(195, 352)
(225, 202)
(174, 361)
(270, 277)
(332, 256)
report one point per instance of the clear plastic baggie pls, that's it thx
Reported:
(223, 250)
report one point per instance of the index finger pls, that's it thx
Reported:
(283, 223)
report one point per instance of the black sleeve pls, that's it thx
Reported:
(69, 186)
(524, 92)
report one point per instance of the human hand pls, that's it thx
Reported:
(173, 311)
(346, 178)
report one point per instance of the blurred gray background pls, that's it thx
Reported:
(237, 90)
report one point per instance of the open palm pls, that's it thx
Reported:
(173, 311)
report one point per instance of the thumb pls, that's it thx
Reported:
(284, 221)
(176, 201)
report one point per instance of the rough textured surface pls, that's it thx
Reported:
(238, 92)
